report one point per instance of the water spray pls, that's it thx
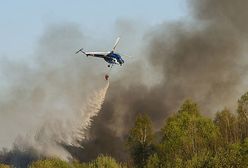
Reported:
(92, 108)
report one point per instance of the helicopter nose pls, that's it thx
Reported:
(121, 60)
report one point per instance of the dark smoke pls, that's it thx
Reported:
(202, 59)
(19, 158)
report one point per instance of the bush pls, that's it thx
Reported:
(104, 162)
(4, 166)
(50, 163)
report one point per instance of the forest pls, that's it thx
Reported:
(187, 139)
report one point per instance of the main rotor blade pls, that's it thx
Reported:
(117, 41)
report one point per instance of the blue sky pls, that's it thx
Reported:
(22, 22)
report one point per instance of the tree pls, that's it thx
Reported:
(244, 152)
(4, 166)
(140, 141)
(228, 156)
(104, 162)
(153, 161)
(186, 134)
(50, 163)
(228, 126)
(76, 164)
(243, 115)
(200, 160)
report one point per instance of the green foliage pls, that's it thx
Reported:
(200, 160)
(186, 135)
(243, 106)
(189, 107)
(140, 141)
(243, 116)
(50, 163)
(141, 133)
(228, 157)
(4, 166)
(153, 161)
(104, 162)
(187, 140)
(228, 126)
(100, 162)
(76, 164)
(244, 152)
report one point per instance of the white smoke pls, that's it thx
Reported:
(42, 95)
(49, 138)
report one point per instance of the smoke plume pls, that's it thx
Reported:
(48, 99)
(202, 59)
(49, 140)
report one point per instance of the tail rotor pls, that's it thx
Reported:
(80, 50)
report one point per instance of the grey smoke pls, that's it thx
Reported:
(43, 94)
(202, 59)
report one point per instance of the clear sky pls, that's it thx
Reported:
(22, 21)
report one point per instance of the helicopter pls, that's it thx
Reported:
(111, 57)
